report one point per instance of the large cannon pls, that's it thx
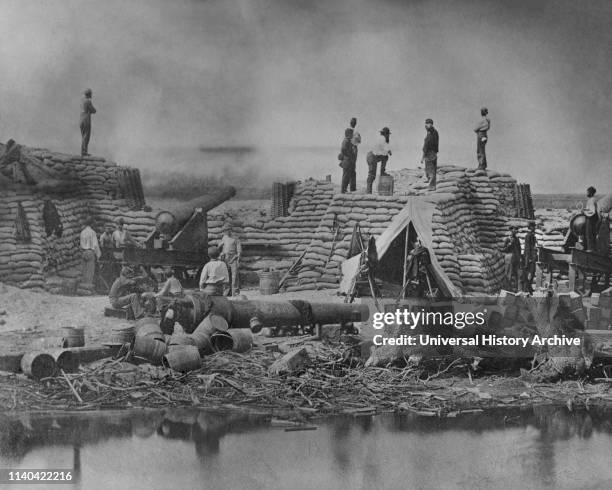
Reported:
(254, 314)
(184, 227)
(180, 237)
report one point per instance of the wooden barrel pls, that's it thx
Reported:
(236, 339)
(65, 359)
(38, 365)
(148, 327)
(123, 334)
(211, 324)
(201, 335)
(73, 337)
(150, 348)
(183, 358)
(268, 283)
(179, 340)
(385, 185)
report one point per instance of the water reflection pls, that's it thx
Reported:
(363, 451)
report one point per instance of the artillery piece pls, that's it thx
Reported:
(180, 236)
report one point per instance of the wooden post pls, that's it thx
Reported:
(572, 276)
(405, 262)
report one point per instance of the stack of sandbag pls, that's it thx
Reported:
(332, 238)
(469, 227)
(21, 261)
(97, 176)
(25, 263)
(278, 242)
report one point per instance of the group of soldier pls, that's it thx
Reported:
(219, 276)
(381, 151)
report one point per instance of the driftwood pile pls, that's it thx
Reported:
(326, 385)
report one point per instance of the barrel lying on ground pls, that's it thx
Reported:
(236, 339)
(38, 365)
(183, 358)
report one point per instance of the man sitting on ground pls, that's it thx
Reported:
(123, 293)
(215, 276)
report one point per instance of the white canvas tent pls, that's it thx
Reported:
(419, 212)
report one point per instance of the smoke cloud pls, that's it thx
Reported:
(278, 76)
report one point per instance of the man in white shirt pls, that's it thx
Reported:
(380, 153)
(214, 276)
(90, 252)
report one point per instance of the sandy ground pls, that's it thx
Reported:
(32, 315)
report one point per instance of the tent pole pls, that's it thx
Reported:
(405, 264)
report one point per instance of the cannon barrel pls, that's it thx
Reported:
(256, 314)
(172, 220)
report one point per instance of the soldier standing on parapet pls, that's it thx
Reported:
(380, 153)
(348, 158)
(430, 153)
(481, 131)
(356, 136)
(87, 109)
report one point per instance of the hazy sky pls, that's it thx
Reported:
(292, 72)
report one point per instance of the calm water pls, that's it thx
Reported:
(543, 448)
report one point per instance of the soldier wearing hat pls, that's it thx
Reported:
(530, 257)
(124, 291)
(231, 251)
(87, 109)
(512, 256)
(380, 153)
(430, 153)
(214, 277)
(481, 131)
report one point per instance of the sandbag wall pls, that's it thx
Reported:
(469, 230)
(26, 264)
(21, 262)
(276, 243)
(328, 248)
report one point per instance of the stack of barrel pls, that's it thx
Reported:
(183, 352)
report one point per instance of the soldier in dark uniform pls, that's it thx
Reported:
(482, 137)
(348, 157)
(512, 252)
(530, 257)
(87, 109)
(430, 153)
